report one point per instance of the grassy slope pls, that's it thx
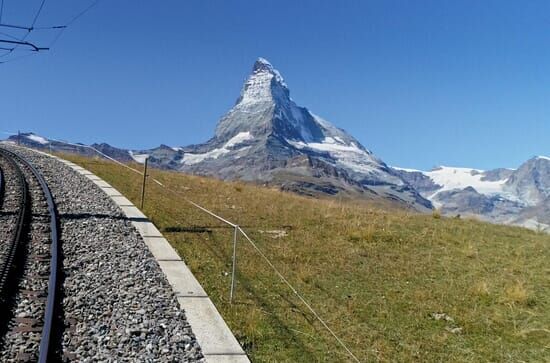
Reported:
(374, 275)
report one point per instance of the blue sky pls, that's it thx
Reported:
(421, 83)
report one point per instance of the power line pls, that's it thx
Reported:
(29, 30)
(10, 36)
(16, 27)
(13, 26)
(17, 42)
(72, 21)
(82, 12)
(38, 13)
(25, 43)
(34, 21)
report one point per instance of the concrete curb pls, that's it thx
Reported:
(218, 343)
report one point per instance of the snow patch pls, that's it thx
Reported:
(408, 170)
(543, 157)
(534, 225)
(329, 145)
(38, 139)
(191, 159)
(335, 140)
(238, 139)
(139, 158)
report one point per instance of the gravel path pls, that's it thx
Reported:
(117, 304)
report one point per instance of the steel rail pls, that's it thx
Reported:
(6, 266)
(1, 188)
(54, 252)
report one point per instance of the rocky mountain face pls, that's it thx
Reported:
(266, 137)
(512, 196)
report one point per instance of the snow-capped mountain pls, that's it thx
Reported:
(267, 137)
(512, 196)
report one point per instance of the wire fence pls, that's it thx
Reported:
(237, 231)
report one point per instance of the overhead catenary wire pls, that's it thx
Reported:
(25, 43)
(10, 49)
(75, 18)
(30, 29)
(33, 21)
(10, 36)
(38, 13)
(237, 227)
(13, 26)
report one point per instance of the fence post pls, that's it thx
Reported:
(234, 264)
(143, 186)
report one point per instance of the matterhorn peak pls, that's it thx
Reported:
(267, 136)
(262, 64)
(264, 86)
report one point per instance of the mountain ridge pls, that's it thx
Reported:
(461, 198)
(266, 137)
(502, 195)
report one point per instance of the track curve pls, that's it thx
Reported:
(20, 164)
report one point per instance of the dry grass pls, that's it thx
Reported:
(517, 293)
(376, 275)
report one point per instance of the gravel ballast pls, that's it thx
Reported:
(11, 200)
(117, 304)
(21, 339)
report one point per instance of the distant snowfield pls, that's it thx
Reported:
(38, 139)
(459, 178)
(139, 158)
(190, 159)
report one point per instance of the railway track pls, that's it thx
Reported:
(1, 187)
(29, 262)
(108, 300)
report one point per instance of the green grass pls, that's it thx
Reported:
(376, 275)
